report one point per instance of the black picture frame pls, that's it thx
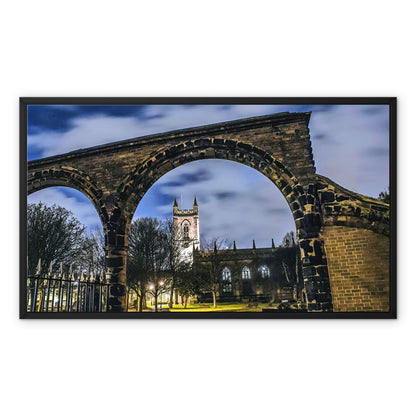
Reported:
(390, 101)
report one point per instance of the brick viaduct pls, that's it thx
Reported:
(343, 236)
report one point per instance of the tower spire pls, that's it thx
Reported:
(195, 203)
(175, 204)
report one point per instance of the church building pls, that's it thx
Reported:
(186, 226)
(265, 274)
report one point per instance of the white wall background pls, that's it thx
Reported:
(216, 48)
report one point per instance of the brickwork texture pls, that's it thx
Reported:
(358, 262)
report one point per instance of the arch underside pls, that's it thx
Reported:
(69, 178)
(116, 218)
(313, 205)
(146, 174)
(302, 200)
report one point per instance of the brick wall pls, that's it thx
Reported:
(358, 265)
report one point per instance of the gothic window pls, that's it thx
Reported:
(264, 272)
(245, 274)
(226, 277)
(186, 230)
(226, 274)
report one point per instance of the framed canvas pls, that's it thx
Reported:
(208, 208)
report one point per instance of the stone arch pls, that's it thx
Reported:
(302, 200)
(113, 222)
(342, 207)
(136, 184)
(70, 178)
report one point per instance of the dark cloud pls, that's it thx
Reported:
(373, 110)
(110, 110)
(294, 108)
(322, 108)
(34, 153)
(41, 117)
(60, 118)
(226, 195)
(376, 152)
(200, 175)
(173, 183)
(202, 199)
(278, 210)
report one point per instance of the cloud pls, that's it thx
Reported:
(61, 118)
(200, 175)
(226, 195)
(237, 202)
(353, 152)
(72, 200)
(85, 128)
(350, 146)
(376, 152)
(373, 109)
(341, 134)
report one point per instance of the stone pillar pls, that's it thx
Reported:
(116, 262)
(315, 275)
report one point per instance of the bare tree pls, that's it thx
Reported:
(148, 258)
(187, 284)
(385, 196)
(156, 288)
(54, 235)
(289, 240)
(136, 278)
(178, 267)
(209, 271)
(211, 243)
(92, 253)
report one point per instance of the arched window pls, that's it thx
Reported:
(245, 273)
(226, 274)
(186, 230)
(226, 277)
(264, 272)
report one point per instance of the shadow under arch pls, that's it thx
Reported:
(70, 178)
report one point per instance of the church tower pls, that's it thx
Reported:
(186, 226)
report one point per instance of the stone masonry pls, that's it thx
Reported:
(116, 176)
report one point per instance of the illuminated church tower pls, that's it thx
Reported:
(186, 226)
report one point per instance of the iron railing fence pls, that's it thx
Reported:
(67, 293)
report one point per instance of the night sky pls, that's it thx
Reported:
(350, 146)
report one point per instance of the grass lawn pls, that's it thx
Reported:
(221, 307)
